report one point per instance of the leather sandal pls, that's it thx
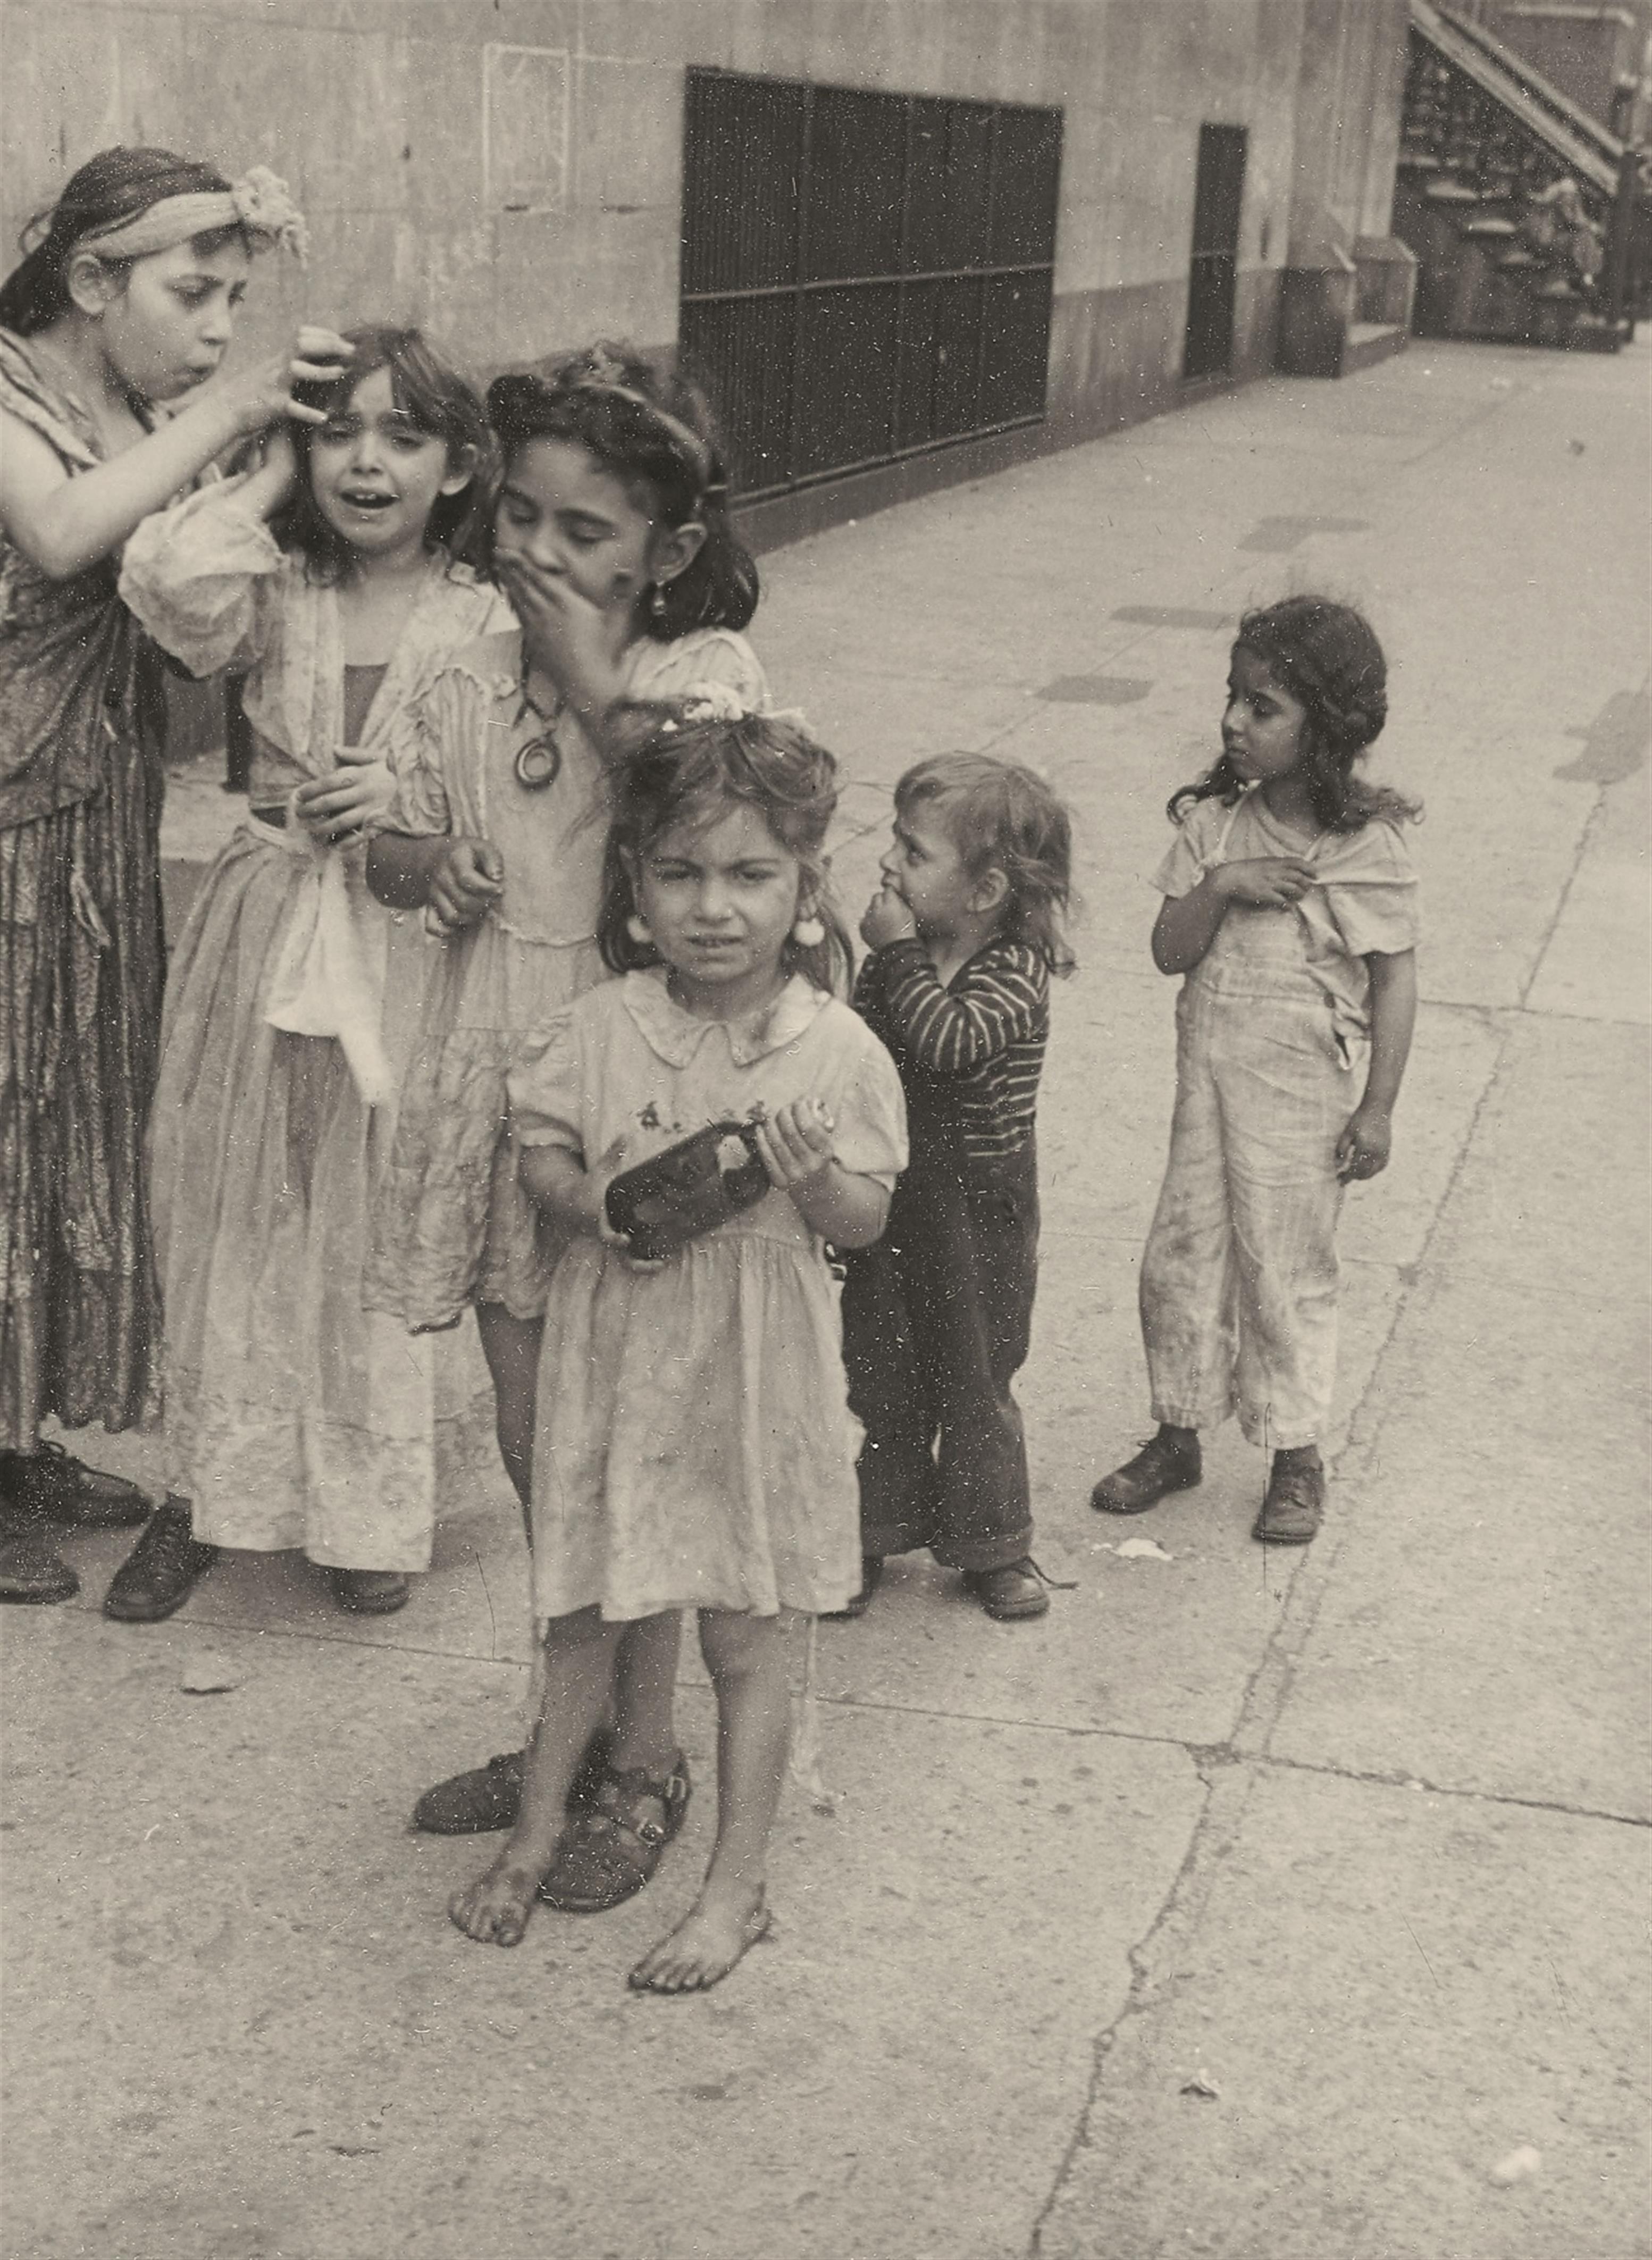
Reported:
(612, 1849)
(162, 1569)
(489, 1797)
(1157, 1467)
(1293, 1506)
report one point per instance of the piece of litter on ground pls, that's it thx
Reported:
(1202, 2085)
(1519, 2166)
(206, 1674)
(1138, 1550)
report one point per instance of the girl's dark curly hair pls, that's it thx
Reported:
(1325, 655)
(114, 186)
(1000, 815)
(672, 771)
(432, 395)
(651, 427)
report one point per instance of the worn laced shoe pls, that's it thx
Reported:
(1294, 1505)
(1013, 1590)
(612, 1849)
(162, 1569)
(1157, 1467)
(50, 1484)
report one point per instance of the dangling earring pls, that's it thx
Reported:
(656, 600)
(808, 932)
(638, 927)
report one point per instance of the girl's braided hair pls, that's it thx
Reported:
(1326, 656)
(674, 769)
(645, 422)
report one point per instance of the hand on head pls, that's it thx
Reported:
(261, 396)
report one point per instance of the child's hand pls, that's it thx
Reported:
(264, 395)
(339, 808)
(566, 635)
(796, 1143)
(1269, 882)
(467, 883)
(1363, 1149)
(888, 919)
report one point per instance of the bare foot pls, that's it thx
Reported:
(495, 1908)
(703, 1948)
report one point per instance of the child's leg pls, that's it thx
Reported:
(891, 1395)
(644, 1738)
(746, 1657)
(1286, 1101)
(1188, 1282)
(511, 1348)
(579, 1663)
(980, 1309)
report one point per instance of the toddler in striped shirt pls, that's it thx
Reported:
(965, 932)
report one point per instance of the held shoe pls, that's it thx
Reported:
(489, 1797)
(1159, 1466)
(1013, 1590)
(1294, 1505)
(613, 1848)
(161, 1570)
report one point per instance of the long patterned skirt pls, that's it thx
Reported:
(81, 968)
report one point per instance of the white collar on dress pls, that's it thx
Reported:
(676, 1036)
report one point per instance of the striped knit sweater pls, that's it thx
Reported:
(983, 1036)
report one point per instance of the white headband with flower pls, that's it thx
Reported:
(259, 202)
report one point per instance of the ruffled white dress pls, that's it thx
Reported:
(293, 1417)
(452, 1227)
(694, 1446)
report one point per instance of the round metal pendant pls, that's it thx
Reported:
(538, 764)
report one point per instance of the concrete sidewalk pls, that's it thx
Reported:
(1245, 1907)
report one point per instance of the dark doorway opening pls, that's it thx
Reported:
(1218, 194)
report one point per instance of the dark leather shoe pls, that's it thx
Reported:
(31, 1571)
(161, 1570)
(1142, 1482)
(48, 1484)
(871, 1578)
(369, 1592)
(1294, 1505)
(489, 1797)
(1010, 1592)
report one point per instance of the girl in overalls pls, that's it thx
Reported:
(1291, 905)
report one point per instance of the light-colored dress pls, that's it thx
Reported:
(293, 1417)
(694, 1447)
(452, 1226)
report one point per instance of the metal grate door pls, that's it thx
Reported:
(865, 277)
(1218, 194)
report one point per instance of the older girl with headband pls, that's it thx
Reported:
(611, 536)
(128, 299)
